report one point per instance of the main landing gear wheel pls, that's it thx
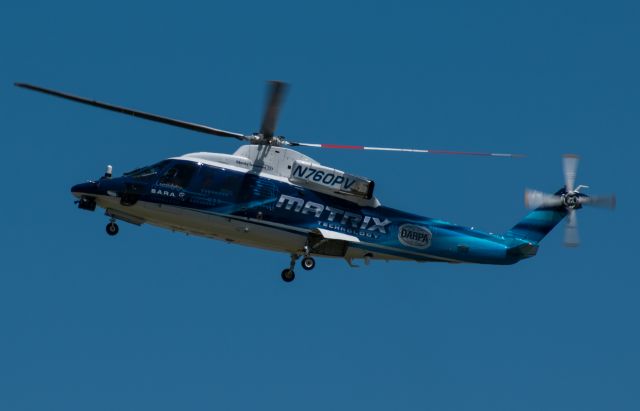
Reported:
(112, 228)
(308, 263)
(288, 275)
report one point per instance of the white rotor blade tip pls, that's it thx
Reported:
(535, 199)
(570, 168)
(571, 236)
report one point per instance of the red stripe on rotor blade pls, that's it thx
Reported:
(340, 146)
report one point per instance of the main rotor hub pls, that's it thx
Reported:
(259, 139)
(570, 200)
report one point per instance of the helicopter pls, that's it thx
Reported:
(268, 195)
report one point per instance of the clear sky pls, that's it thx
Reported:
(156, 320)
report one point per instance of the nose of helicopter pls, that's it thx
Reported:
(87, 188)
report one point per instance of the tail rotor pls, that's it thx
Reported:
(569, 198)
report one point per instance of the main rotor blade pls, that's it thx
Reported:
(147, 116)
(535, 199)
(275, 95)
(571, 237)
(599, 201)
(404, 150)
(570, 168)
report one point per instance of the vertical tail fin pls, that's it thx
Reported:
(538, 223)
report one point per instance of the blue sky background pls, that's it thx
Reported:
(155, 320)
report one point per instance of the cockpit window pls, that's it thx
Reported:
(147, 171)
(178, 175)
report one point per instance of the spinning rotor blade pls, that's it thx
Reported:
(599, 201)
(147, 116)
(570, 168)
(535, 199)
(276, 93)
(571, 237)
(405, 150)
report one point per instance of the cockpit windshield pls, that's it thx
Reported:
(147, 171)
(178, 175)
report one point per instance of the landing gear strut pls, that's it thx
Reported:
(307, 263)
(112, 228)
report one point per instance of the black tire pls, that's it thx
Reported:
(112, 229)
(288, 275)
(308, 263)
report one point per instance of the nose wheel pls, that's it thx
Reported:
(112, 228)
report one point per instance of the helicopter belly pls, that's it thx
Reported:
(195, 222)
(232, 229)
(227, 228)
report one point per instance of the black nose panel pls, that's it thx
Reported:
(85, 188)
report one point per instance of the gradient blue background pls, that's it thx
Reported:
(155, 320)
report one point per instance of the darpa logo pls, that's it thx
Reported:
(414, 236)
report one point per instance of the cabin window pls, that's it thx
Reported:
(178, 175)
(220, 183)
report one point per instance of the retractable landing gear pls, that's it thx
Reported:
(287, 274)
(308, 263)
(112, 227)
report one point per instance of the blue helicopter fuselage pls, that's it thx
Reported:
(246, 198)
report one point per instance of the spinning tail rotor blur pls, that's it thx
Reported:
(570, 198)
